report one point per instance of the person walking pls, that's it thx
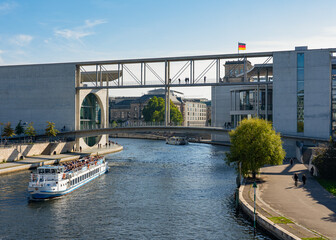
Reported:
(304, 179)
(296, 178)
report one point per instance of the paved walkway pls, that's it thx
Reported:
(311, 208)
(35, 161)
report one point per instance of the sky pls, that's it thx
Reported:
(39, 31)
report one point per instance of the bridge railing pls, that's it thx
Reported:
(130, 124)
(141, 124)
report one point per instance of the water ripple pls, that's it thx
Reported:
(153, 191)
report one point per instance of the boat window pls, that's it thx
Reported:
(41, 171)
(53, 171)
(47, 170)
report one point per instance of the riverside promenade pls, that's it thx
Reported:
(310, 209)
(35, 161)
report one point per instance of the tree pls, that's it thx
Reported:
(175, 114)
(324, 160)
(51, 131)
(253, 144)
(154, 111)
(30, 130)
(8, 130)
(19, 129)
(114, 124)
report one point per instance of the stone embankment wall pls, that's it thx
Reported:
(263, 222)
(17, 152)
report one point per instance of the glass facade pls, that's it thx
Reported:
(300, 92)
(90, 117)
(247, 100)
(333, 99)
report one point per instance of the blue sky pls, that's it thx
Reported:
(39, 31)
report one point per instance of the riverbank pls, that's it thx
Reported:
(36, 161)
(290, 212)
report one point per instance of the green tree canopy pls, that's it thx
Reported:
(324, 160)
(154, 111)
(51, 131)
(30, 130)
(19, 129)
(8, 130)
(175, 114)
(254, 143)
(114, 124)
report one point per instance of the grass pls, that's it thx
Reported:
(282, 220)
(316, 238)
(329, 185)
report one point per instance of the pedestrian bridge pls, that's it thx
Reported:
(145, 129)
(168, 129)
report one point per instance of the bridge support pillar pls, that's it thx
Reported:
(167, 93)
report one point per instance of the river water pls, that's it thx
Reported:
(153, 191)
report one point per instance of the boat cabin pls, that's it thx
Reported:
(50, 169)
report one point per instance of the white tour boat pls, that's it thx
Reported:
(177, 141)
(55, 181)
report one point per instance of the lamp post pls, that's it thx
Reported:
(254, 213)
(1, 131)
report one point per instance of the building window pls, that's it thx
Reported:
(333, 99)
(300, 92)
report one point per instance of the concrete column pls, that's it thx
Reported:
(107, 122)
(101, 75)
(266, 96)
(77, 104)
(141, 73)
(167, 93)
(144, 79)
(168, 104)
(96, 75)
(258, 100)
(244, 70)
(118, 74)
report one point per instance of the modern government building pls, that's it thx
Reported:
(296, 91)
(299, 96)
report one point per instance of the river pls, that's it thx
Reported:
(153, 191)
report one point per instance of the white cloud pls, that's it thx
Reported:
(7, 6)
(79, 32)
(21, 40)
(72, 34)
(89, 23)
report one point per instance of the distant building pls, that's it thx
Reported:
(130, 108)
(194, 111)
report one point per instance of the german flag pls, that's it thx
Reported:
(241, 46)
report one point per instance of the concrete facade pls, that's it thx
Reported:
(317, 93)
(283, 74)
(47, 92)
(38, 93)
(17, 152)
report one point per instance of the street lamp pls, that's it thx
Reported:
(254, 213)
